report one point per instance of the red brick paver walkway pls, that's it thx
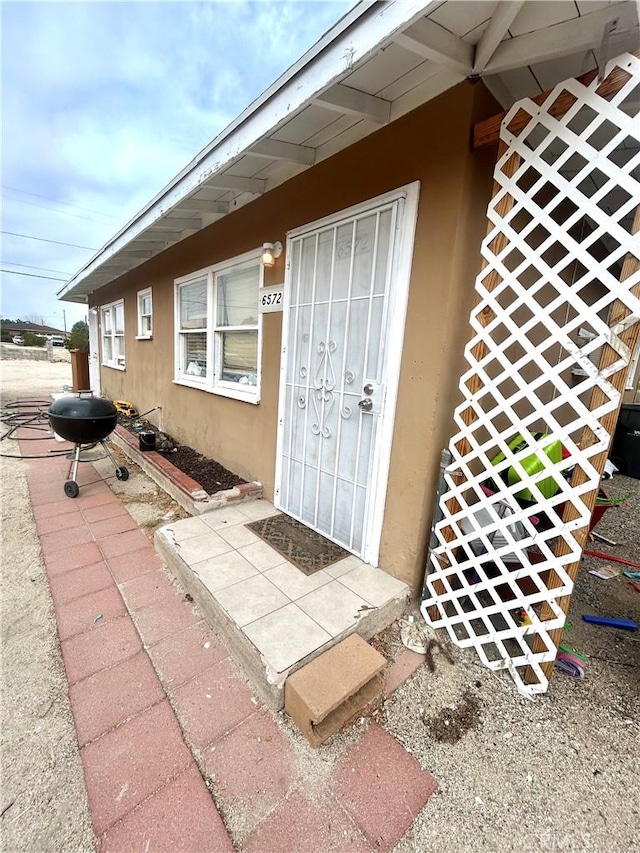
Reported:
(159, 706)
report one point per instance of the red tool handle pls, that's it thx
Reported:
(612, 558)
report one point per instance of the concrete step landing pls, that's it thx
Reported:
(273, 618)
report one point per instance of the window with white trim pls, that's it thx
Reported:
(112, 331)
(145, 313)
(218, 328)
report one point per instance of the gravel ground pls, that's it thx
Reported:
(556, 773)
(42, 796)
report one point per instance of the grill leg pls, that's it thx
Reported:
(73, 468)
(103, 442)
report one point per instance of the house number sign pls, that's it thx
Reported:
(271, 299)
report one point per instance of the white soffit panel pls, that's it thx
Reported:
(540, 14)
(561, 39)
(420, 74)
(357, 36)
(462, 17)
(586, 6)
(391, 64)
(520, 83)
(379, 62)
(334, 129)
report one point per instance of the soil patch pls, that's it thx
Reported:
(212, 476)
(451, 723)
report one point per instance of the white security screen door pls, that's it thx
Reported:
(336, 398)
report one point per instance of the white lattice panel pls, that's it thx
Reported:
(560, 229)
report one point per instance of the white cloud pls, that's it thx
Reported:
(105, 102)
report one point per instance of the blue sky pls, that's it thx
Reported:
(103, 103)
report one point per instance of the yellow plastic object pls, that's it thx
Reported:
(533, 464)
(125, 408)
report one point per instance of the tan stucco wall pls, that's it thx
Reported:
(431, 145)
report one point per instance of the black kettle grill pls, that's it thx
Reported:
(85, 421)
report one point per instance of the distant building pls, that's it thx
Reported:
(19, 327)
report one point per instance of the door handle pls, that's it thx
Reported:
(366, 405)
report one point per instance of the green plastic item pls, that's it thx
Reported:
(612, 501)
(532, 464)
(567, 650)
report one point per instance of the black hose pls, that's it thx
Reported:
(148, 412)
(23, 415)
(51, 455)
(36, 419)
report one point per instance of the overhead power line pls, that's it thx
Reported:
(34, 267)
(54, 210)
(44, 240)
(33, 275)
(55, 201)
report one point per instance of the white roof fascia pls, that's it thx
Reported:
(348, 42)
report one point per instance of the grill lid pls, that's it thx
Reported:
(84, 408)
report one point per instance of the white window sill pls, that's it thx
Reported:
(144, 337)
(114, 366)
(252, 397)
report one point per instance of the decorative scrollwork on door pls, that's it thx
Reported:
(323, 389)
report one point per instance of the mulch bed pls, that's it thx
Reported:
(212, 476)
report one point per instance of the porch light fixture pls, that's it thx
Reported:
(271, 251)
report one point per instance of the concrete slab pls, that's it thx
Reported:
(80, 582)
(187, 653)
(83, 613)
(135, 563)
(299, 622)
(110, 697)
(131, 762)
(143, 786)
(382, 787)
(252, 769)
(102, 646)
(164, 618)
(194, 823)
(301, 822)
(212, 703)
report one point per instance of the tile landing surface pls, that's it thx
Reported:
(275, 617)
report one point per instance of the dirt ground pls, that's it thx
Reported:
(42, 796)
(554, 774)
(557, 773)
